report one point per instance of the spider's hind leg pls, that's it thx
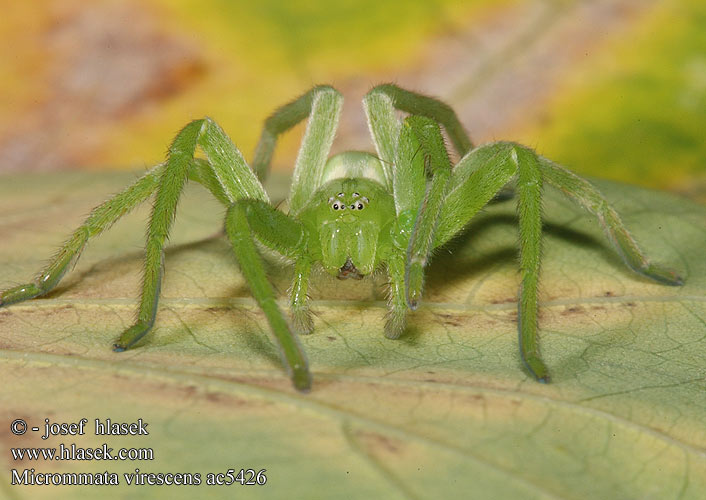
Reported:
(100, 219)
(586, 195)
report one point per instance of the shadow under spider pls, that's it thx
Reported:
(455, 254)
(128, 261)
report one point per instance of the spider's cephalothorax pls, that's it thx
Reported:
(351, 213)
(350, 216)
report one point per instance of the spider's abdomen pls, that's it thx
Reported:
(354, 165)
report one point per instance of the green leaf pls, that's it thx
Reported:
(445, 412)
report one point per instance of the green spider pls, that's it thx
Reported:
(352, 213)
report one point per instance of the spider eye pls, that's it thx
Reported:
(335, 206)
(360, 206)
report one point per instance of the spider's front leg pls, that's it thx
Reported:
(249, 218)
(477, 178)
(405, 170)
(420, 153)
(245, 220)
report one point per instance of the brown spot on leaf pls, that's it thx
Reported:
(214, 397)
(380, 442)
(503, 301)
(449, 319)
(571, 310)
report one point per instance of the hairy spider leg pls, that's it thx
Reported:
(322, 104)
(308, 175)
(475, 180)
(235, 181)
(484, 171)
(409, 187)
(280, 232)
(100, 219)
(436, 162)
(245, 220)
(303, 324)
(583, 193)
(380, 104)
(529, 212)
(405, 174)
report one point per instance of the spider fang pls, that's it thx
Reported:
(348, 270)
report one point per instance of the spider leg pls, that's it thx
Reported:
(299, 300)
(323, 103)
(230, 174)
(436, 161)
(380, 105)
(409, 188)
(482, 173)
(529, 210)
(248, 218)
(586, 195)
(420, 150)
(100, 219)
(476, 179)
(397, 303)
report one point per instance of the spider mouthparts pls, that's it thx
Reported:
(348, 270)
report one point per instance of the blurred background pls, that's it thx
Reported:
(610, 88)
